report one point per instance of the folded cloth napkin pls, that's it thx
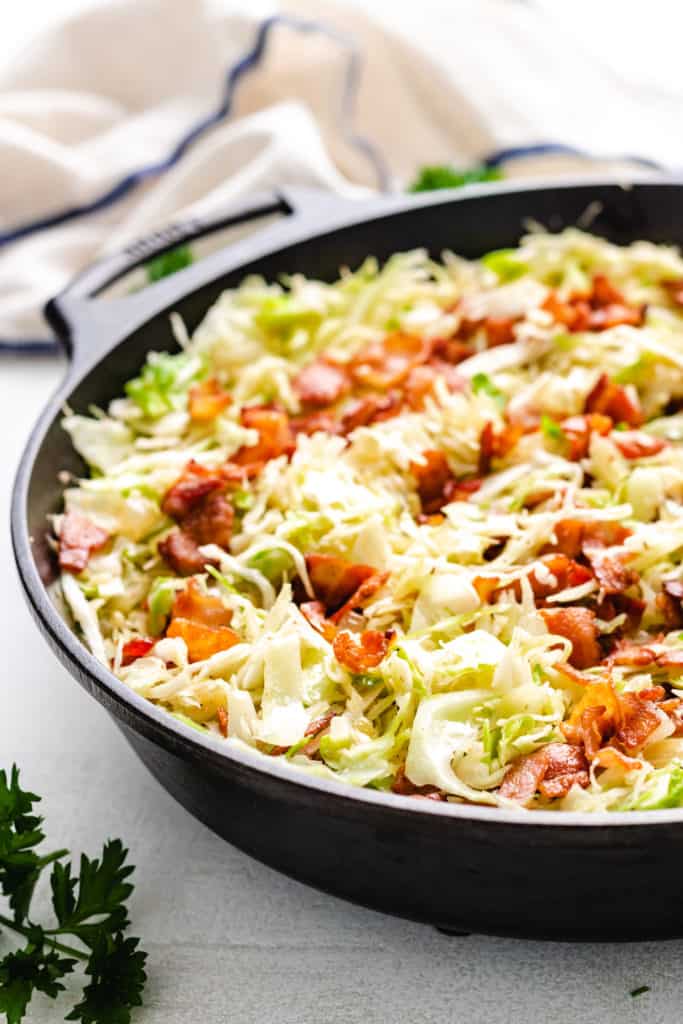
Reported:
(137, 113)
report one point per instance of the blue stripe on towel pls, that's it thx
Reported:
(501, 156)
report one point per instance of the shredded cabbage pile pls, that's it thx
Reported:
(472, 682)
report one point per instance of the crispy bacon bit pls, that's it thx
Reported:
(360, 597)
(500, 330)
(460, 490)
(578, 626)
(363, 651)
(631, 654)
(314, 422)
(604, 306)
(202, 641)
(614, 401)
(496, 444)
(564, 572)
(319, 724)
(275, 436)
(640, 717)
(369, 409)
(206, 609)
(571, 535)
(451, 351)
(194, 483)
(671, 659)
(634, 444)
(552, 770)
(421, 382)
(613, 759)
(578, 430)
(321, 383)
(404, 787)
(670, 610)
(207, 400)
(182, 554)
(334, 579)
(314, 613)
(674, 709)
(432, 476)
(134, 649)
(608, 566)
(386, 364)
(222, 718)
(628, 719)
(78, 538)
(210, 521)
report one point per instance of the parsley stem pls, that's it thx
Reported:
(26, 932)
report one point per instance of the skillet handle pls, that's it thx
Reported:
(77, 320)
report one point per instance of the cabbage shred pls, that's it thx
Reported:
(477, 674)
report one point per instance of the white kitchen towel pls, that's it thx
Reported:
(137, 113)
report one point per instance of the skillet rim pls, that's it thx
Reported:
(156, 724)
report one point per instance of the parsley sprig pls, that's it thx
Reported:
(89, 908)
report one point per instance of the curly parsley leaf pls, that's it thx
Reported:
(117, 969)
(89, 907)
(437, 176)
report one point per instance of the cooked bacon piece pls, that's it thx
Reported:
(432, 476)
(571, 535)
(314, 613)
(202, 641)
(236, 476)
(78, 538)
(451, 350)
(360, 597)
(578, 626)
(573, 313)
(334, 579)
(564, 572)
(608, 566)
(421, 382)
(614, 401)
(622, 604)
(362, 651)
(386, 364)
(552, 770)
(578, 430)
(675, 290)
(314, 422)
(634, 444)
(207, 400)
(674, 709)
(205, 609)
(604, 306)
(486, 587)
(404, 787)
(135, 649)
(613, 759)
(499, 330)
(315, 730)
(671, 659)
(370, 409)
(631, 654)
(194, 483)
(460, 490)
(210, 521)
(321, 383)
(670, 610)
(628, 719)
(182, 554)
(275, 436)
(524, 416)
(496, 444)
(222, 717)
(640, 717)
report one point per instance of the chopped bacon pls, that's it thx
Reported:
(460, 490)
(578, 626)
(486, 587)
(578, 430)
(500, 330)
(206, 609)
(360, 597)
(210, 521)
(202, 641)
(314, 613)
(602, 307)
(432, 475)
(137, 648)
(182, 553)
(78, 538)
(631, 654)
(451, 350)
(640, 717)
(572, 534)
(621, 604)
(613, 759)
(194, 483)
(628, 719)
(671, 659)
(608, 566)
(634, 444)
(314, 422)
(674, 290)
(614, 401)
(334, 579)
(402, 786)
(275, 436)
(363, 651)
(321, 383)
(315, 730)
(524, 416)
(552, 770)
(207, 400)
(369, 409)
(386, 364)
(674, 709)
(564, 573)
(222, 717)
(421, 382)
(496, 444)
(670, 610)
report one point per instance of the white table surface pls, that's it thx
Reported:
(231, 940)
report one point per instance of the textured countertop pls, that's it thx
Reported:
(231, 940)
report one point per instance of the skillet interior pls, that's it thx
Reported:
(456, 866)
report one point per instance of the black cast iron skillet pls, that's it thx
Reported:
(534, 874)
